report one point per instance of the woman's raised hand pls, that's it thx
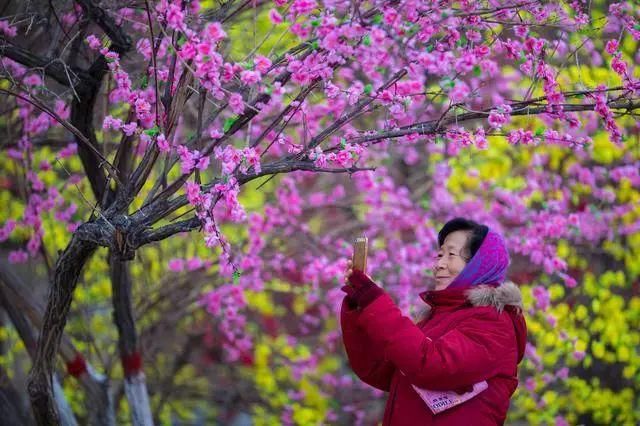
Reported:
(348, 272)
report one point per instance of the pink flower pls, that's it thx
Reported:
(94, 42)
(275, 17)
(249, 77)
(459, 92)
(193, 193)
(521, 30)
(7, 229)
(203, 163)
(143, 108)
(32, 80)
(530, 384)
(262, 63)
(18, 256)
(111, 123)
(480, 139)
(542, 296)
(144, 48)
(175, 17)
(187, 160)
(619, 66)
(176, 265)
(236, 103)
(499, 116)
(194, 263)
(611, 47)
(252, 158)
(303, 7)
(563, 373)
(8, 30)
(129, 128)
(163, 144)
(188, 51)
(215, 32)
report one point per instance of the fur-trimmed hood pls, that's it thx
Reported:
(506, 294)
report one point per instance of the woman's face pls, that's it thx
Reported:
(450, 261)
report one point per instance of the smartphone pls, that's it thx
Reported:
(360, 253)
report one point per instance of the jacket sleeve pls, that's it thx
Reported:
(366, 360)
(476, 349)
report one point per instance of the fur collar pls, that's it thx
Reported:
(506, 294)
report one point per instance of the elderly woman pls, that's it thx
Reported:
(473, 334)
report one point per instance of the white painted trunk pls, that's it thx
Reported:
(105, 414)
(64, 410)
(135, 387)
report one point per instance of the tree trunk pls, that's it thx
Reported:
(134, 380)
(20, 305)
(40, 385)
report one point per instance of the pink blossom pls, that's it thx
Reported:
(175, 17)
(530, 384)
(111, 123)
(275, 17)
(193, 193)
(499, 116)
(611, 47)
(68, 151)
(18, 256)
(129, 128)
(215, 32)
(144, 48)
(618, 65)
(249, 77)
(521, 30)
(143, 108)
(578, 355)
(176, 265)
(7, 229)
(262, 63)
(236, 103)
(460, 92)
(8, 30)
(203, 163)
(252, 158)
(94, 42)
(563, 373)
(188, 51)
(303, 7)
(480, 139)
(194, 263)
(163, 144)
(32, 80)
(542, 297)
(187, 160)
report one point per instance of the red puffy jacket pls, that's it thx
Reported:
(469, 336)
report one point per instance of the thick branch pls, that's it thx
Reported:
(56, 69)
(157, 211)
(434, 126)
(121, 41)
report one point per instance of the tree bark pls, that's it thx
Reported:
(135, 382)
(22, 310)
(40, 384)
